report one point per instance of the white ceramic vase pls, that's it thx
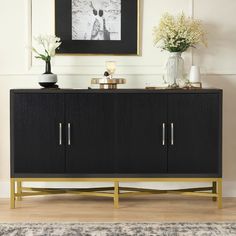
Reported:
(175, 69)
(48, 79)
(195, 75)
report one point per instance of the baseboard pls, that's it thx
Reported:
(229, 187)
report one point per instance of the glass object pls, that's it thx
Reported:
(111, 68)
(175, 69)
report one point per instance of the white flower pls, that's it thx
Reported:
(52, 49)
(177, 34)
(47, 45)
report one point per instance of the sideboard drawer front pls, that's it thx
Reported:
(196, 120)
(35, 133)
(92, 121)
(140, 147)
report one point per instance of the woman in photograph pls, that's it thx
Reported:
(99, 30)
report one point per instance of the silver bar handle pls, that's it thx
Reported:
(172, 134)
(69, 134)
(163, 134)
(60, 134)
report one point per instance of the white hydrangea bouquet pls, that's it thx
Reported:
(178, 33)
(46, 49)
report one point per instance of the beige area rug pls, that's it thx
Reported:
(119, 229)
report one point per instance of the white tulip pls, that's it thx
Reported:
(52, 49)
(48, 45)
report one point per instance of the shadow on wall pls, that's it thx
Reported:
(228, 84)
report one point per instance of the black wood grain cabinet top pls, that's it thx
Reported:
(116, 133)
(118, 91)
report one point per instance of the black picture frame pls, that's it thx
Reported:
(128, 45)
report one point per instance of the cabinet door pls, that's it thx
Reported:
(140, 148)
(35, 133)
(91, 120)
(196, 130)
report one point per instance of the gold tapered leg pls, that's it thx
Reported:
(12, 203)
(19, 190)
(116, 194)
(214, 190)
(219, 192)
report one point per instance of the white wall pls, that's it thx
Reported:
(19, 70)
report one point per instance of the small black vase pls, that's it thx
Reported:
(48, 79)
(48, 67)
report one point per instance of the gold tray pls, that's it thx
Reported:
(108, 83)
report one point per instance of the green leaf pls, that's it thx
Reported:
(38, 57)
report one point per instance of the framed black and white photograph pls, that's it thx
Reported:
(97, 26)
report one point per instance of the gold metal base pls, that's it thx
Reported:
(108, 83)
(18, 191)
(191, 85)
(108, 86)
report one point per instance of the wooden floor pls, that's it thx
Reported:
(152, 208)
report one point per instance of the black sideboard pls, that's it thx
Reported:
(116, 135)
